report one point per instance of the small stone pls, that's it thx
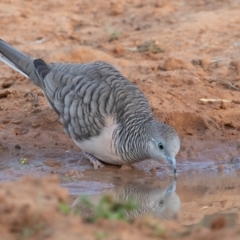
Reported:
(225, 105)
(219, 223)
(196, 62)
(17, 146)
(52, 163)
(4, 93)
(7, 84)
(171, 64)
(21, 131)
(205, 63)
(35, 125)
(116, 8)
(221, 167)
(126, 167)
(118, 49)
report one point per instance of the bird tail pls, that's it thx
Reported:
(18, 61)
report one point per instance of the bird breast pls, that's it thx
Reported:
(102, 146)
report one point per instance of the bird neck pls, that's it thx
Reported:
(132, 136)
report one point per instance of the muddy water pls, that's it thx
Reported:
(201, 188)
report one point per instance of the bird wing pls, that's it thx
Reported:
(80, 95)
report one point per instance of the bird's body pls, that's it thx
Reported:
(105, 114)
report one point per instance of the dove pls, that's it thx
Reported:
(161, 202)
(104, 113)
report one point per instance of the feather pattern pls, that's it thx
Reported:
(86, 94)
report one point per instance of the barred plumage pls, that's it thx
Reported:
(163, 203)
(104, 113)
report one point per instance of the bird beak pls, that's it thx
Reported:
(172, 187)
(172, 162)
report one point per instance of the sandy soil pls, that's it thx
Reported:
(177, 52)
(31, 209)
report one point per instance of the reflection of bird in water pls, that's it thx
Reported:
(163, 203)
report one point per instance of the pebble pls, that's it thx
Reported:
(4, 93)
(7, 84)
(126, 167)
(221, 167)
(52, 163)
(17, 146)
(171, 64)
(225, 105)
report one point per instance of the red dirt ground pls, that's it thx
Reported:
(30, 209)
(177, 52)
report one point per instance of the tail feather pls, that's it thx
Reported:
(12, 65)
(42, 70)
(18, 61)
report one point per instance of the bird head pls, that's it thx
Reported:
(163, 144)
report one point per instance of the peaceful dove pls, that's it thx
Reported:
(105, 114)
(162, 202)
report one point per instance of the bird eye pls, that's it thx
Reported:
(160, 146)
(161, 203)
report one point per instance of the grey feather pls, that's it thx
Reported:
(18, 61)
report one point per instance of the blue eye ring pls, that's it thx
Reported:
(160, 146)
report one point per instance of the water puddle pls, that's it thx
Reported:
(194, 195)
(201, 188)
